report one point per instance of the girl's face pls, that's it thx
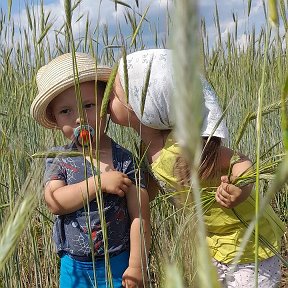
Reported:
(64, 108)
(120, 111)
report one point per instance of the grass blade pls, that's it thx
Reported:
(139, 25)
(273, 13)
(108, 91)
(145, 88)
(284, 115)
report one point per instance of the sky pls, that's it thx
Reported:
(157, 15)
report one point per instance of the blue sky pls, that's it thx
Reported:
(156, 15)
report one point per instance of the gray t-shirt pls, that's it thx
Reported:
(71, 231)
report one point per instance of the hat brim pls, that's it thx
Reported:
(39, 106)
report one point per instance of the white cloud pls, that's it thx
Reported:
(242, 42)
(245, 23)
(157, 15)
(108, 15)
(255, 9)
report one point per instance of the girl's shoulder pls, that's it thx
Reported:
(224, 158)
(225, 155)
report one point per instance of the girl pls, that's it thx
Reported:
(224, 229)
(70, 188)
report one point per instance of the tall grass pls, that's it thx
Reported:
(186, 60)
(29, 260)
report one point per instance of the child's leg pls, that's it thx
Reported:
(269, 274)
(77, 274)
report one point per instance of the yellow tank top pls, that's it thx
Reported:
(225, 230)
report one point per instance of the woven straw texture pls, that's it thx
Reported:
(59, 75)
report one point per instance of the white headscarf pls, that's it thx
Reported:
(157, 110)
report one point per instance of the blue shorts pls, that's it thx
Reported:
(78, 274)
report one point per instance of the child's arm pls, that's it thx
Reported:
(229, 195)
(139, 240)
(153, 187)
(64, 199)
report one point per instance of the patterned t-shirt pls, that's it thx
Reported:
(71, 231)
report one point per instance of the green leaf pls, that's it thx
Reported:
(9, 4)
(121, 3)
(108, 91)
(139, 25)
(173, 277)
(249, 6)
(145, 88)
(284, 115)
(57, 154)
(44, 33)
(126, 80)
(273, 12)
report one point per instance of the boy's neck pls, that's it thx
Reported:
(104, 145)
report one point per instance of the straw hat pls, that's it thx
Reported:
(57, 76)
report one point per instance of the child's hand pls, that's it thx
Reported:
(229, 195)
(132, 278)
(115, 182)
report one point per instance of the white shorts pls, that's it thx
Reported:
(269, 274)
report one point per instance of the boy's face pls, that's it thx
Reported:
(64, 108)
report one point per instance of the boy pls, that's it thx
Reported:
(71, 190)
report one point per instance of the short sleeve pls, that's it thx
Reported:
(53, 170)
(136, 175)
(125, 163)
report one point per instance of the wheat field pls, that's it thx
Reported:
(252, 85)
